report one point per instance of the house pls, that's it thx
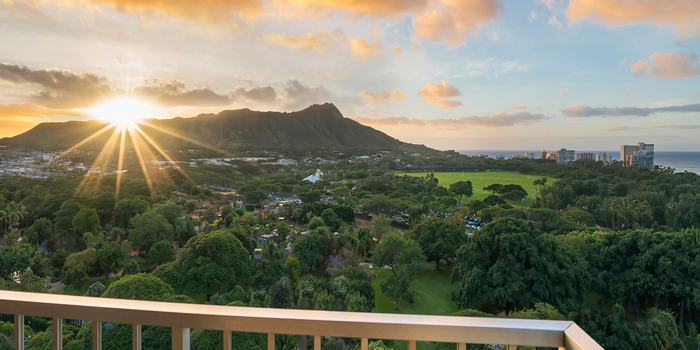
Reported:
(315, 177)
(257, 254)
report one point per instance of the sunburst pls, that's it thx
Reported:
(124, 117)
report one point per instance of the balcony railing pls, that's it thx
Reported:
(183, 317)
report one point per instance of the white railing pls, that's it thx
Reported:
(183, 317)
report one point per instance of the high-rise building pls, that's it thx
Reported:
(598, 157)
(565, 156)
(641, 155)
(543, 155)
(586, 156)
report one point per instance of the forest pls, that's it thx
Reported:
(614, 248)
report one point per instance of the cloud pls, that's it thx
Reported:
(390, 120)
(318, 41)
(523, 107)
(491, 67)
(532, 16)
(12, 127)
(235, 15)
(297, 96)
(172, 94)
(355, 9)
(674, 65)
(439, 95)
(361, 49)
(63, 89)
(451, 21)
(331, 75)
(564, 93)
(259, 94)
(550, 4)
(30, 110)
(681, 15)
(586, 111)
(553, 19)
(386, 96)
(397, 51)
(496, 120)
(619, 128)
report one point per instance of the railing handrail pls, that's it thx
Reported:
(479, 330)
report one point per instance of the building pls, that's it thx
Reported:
(565, 156)
(597, 157)
(315, 177)
(641, 155)
(586, 156)
(543, 155)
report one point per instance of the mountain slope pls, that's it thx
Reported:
(316, 127)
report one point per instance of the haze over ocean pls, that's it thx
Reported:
(681, 161)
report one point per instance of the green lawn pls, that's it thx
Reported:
(432, 296)
(482, 179)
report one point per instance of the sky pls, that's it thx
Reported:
(450, 74)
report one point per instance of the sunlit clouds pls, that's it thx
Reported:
(674, 65)
(386, 96)
(681, 15)
(440, 95)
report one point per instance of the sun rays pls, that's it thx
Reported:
(125, 118)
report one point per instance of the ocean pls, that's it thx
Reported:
(681, 161)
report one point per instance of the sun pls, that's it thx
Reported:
(123, 112)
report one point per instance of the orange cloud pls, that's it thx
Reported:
(30, 110)
(682, 15)
(564, 93)
(496, 120)
(523, 107)
(334, 76)
(233, 14)
(439, 95)
(397, 51)
(387, 96)
(674, 65)
(452, 20)
(11, 127)
(390, 120)
(355, 9)
(319, 41)
(361, 49)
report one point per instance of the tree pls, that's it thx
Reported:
(169, 210)
(110, 257)
(127, 208)
(86, 220)
(95, 290)
(312, 250)
(396, 287)
(14, 258)
(399, 253)
(310, 197)
(139, 287)
(210, 263)
(331, 219)
(315, 223)
(438, 239)
(462, 188)
(380, 226)
(184, 230)
(41, 230)
(511, 265)
(150, 227)
(75, 276)
(160, 252)
(493, 188)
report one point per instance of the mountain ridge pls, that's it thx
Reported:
(315, 127)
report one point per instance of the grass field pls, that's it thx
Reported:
(432, 296)
(482, 179)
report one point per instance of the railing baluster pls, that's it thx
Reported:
(96, 335)
(364, 344)
(411, 345)
(512, 347)
(462, 346)
(317, 342)
(181, 338)
(57, 333)
(227, 340)
(19, 332)
(270, 341)
(136, 337)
